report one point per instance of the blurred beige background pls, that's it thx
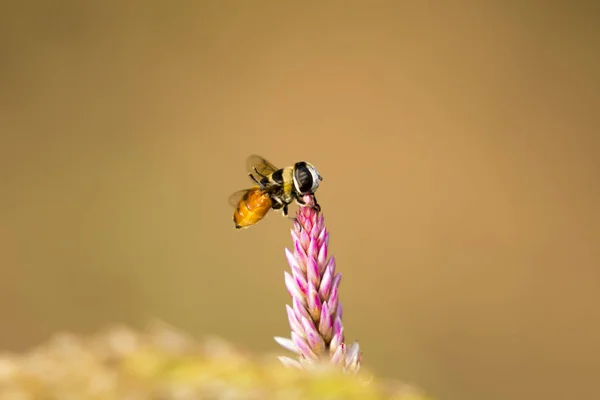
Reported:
(458, 146)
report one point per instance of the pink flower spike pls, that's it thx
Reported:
(315, 316)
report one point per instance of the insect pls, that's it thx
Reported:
(276, 188)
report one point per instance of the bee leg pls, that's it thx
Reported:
(254, 179)
(317, 207)
(260, 183)
(291, 218)
(258, 173)
(279, 205)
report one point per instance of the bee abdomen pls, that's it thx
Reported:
(251, 209)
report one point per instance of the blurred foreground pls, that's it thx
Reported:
(164, 363)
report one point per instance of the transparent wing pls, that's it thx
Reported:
(235, 198)
(262, 166)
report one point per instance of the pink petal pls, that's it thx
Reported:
(300, 279)
(312, 337)
(313, 302)
(352, 355)
(304, 239)
(293, 320)
(338, 313)
(322, 258)
(338, 334)
(313, 250)
(331, 264)
(300, 256)
(320, 224)
(299, 309)
(325, 284)
(312, 271)
(321, 237)
(336, 280)
(303, 346)
(314, 232)
(308, 225)
(296, 230)
(339, 355)
(288, 362)
(326, 323)
(291, 259)
(333, 300)
(295, 237)
(293, 288)
(287, 343)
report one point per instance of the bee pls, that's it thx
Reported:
(276, 188)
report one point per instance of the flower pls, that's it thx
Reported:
(315, 317)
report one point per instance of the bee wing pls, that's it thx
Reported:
(235, 198)
(262, 166)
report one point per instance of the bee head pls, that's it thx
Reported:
(306, 178)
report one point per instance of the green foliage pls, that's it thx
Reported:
(162, 364)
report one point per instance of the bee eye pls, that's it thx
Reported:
(303, 178)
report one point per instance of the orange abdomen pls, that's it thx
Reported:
(252, 208)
